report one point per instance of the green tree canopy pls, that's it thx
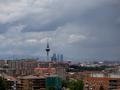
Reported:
(73, 84)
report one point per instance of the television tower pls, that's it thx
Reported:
(48, 50)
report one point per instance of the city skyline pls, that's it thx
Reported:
(75, 28)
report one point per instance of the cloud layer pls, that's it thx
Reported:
(76, 28)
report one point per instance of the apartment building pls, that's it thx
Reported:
(31, 83)
(101, 82)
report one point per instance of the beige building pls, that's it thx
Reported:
(23, 67)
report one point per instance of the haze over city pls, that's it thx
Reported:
(75, 28)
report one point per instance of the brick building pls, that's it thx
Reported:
(101, 83)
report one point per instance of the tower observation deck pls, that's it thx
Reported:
(48, 50)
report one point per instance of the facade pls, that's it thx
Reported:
(2, 63)
(52, 68)
(31, 83)
(22, 67)
(102, 82)
(7, 70)
(18, 67)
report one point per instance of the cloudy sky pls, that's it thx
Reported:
(76, 28)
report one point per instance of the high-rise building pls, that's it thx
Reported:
(54, 57)
(57, 57)
(61, 58)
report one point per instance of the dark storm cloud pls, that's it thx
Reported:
(80, 28)
(104, 25)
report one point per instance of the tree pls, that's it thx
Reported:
(52, 88)
(101, 88)
(2, 84)
(79, 85)
(73, 84)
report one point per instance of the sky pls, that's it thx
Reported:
(75, 28)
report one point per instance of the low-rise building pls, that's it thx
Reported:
(45, 71)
